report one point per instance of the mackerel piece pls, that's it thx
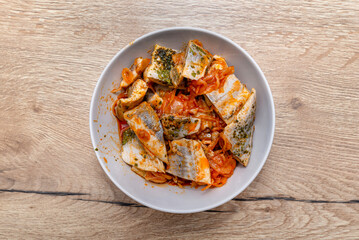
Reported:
(154, 100)
(134, 154)
(137, 68)
(162, 69)
(188, 161)
(197, 61)
(136, 93)
(179, 127)
(162, 90)
(229, 99)
(144, 121)
(240, 132)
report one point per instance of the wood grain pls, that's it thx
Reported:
(52, 53)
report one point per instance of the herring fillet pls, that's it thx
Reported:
(162, 69)
(229, 99)
(176, 127)
(154, 100)
(240, 132)
(137, 92)
(188, 161)
(197, 60)
(144, 121)
(134, 154)
(137, 69)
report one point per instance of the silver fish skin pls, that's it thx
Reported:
(229, 99)
(162, 69)
(188, 160)
(177, 127)
(144, 121)
(197, 60)
(134, 154)
(240, 132)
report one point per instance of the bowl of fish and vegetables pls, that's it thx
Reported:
(104, 130)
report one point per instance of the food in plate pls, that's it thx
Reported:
(229, 99)
(184, 118)
(239, 133)
(164, 69)
(197, 60)
(134, 153)
(176, 127)
(130, 75)
(144, 121)
(188, 160)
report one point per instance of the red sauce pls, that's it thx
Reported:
(122, 126)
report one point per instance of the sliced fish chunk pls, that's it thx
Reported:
(163, 70)
(175, 127)
(119, 111)
(188, 160)
(134, 154)
(136, 93)
(131, 75)
(154, 100)
(155, 97)
(240, 132)
(229, 99)
(197, 61)
(144, 121)
(162, 90)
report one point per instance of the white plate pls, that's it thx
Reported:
(171, 198)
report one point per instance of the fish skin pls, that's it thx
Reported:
(134, 154)
(136, 93)
(229, 99)
(154, 100)
(144, 121)
(177, 127)
(163, 72)
(197, 60)
(240, 132)
(189, 161)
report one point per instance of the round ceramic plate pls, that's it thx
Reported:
(104, 131)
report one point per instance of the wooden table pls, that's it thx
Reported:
(52, 54)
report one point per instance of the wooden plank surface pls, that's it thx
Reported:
(52, 53)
